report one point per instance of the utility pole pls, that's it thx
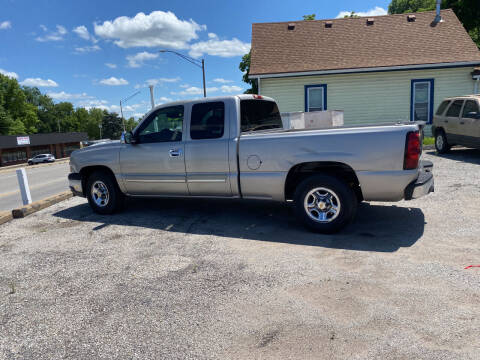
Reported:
(196, 62)
(123, 101)
(151, 96)
(203, 72)
(123, 119)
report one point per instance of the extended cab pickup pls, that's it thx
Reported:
(236, 147)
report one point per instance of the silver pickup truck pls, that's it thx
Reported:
(236, 147)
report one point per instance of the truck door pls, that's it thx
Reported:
(155, 165)
(206, 150)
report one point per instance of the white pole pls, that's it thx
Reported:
(24, 189)
(151, 96)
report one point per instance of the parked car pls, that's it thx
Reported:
(457, 122)
(236, 147)
(41, 158)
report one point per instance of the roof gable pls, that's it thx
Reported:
(352, 43)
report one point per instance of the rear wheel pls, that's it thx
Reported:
(103, 193)
(441, 143)
(325, 204)
(30, 163)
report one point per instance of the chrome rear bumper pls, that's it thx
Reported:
(423, 185)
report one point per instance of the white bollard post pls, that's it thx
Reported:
(24, 189)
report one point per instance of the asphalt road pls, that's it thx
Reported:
(44, 180)
(214, 279)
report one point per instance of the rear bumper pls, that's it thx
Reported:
(75, 183)
(423, 185)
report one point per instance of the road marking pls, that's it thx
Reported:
(10, 193)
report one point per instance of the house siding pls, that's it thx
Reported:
(369, 97)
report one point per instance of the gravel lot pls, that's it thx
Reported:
(194, 279)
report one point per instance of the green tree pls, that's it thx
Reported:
(309, 17)
(351, 15)
(5, 121)
(111, 126)
(467, 11)
(17, 128)
(408, 6)
(130, 124)
(245, 68)
(95, 117)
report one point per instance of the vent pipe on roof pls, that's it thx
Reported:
(370, 21)
(291, 26)
(438, 17)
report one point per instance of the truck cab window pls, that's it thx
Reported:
(164, 125)
(208, 120)
(259, 115)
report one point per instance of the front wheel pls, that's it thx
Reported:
(441, 143)
(103, 193)
(324, 203)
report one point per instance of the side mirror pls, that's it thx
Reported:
(128, 138)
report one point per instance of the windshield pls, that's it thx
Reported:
(259, 115)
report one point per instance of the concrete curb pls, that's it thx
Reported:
(5, 216)
(41, 204)
(25, 165)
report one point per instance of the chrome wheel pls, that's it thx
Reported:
(322, 205)
(100, 194)
(439, 141)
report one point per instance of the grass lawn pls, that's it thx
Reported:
(428, 141)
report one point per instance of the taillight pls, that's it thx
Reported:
(412, 151)
(258, 97)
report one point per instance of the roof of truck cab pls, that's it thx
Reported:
(213, 98)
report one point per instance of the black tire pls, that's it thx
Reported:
(344, 195)
(115, 196)
(441, 144)
(30, 163)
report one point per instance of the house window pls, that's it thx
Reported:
(421, 104)
(315, 97)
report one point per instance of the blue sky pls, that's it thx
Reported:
(94, 53)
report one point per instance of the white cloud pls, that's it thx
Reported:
(222, 81)
(39, 82)
(138, 59)
(184, 86)
(217, 47)
(157, 81)
(87, 49)
(62, 95)
(157, 29)
(376, 11)
(11, 74)
(113, 81)
(193, 90)
(111, 66)
(164, 99)
(5, 25)
(52, 35)
(230, 89)
(82, 31)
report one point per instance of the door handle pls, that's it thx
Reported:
(445, 120)
(175, 152)
(462, 122)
